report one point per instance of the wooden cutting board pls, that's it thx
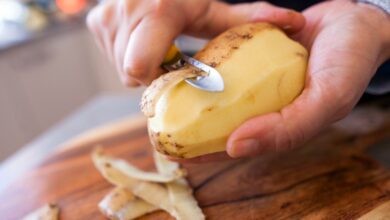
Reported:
(330, 178)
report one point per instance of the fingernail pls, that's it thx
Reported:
(245, 147)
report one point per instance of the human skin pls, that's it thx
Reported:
(347, 43)
(136, 34)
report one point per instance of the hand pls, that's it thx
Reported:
(347, 43)
(136, 34)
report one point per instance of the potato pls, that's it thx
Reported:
(263, 71)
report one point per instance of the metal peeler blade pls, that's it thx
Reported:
(212, 82)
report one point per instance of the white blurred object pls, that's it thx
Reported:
(12, 16)
(12, 11)
(18, 22)
(189, 44)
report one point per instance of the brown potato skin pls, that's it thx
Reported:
(224, 45)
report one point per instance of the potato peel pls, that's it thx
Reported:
(121, 204)
(153, 193)
(153, 93)
(46, 212)
(138, 174)
(175, 197)
(180, 193)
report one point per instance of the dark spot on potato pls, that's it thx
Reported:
(235, 47)
(168, 135)
(251, 97)
(247, 36)
(158, 134)
(178, 146)
(107, 165)
(267, 27)
(213, 64)
(231, 35)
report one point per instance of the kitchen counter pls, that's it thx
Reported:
(100, 110)
(108, 108)
(330, 177)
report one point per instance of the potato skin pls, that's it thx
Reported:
(218, 53)
(223, 46)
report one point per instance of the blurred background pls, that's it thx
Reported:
(50, 68)
(54, 81)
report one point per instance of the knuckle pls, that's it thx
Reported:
(263, 4)
(340, 102)
(162, 6)
(91, 19)
(124, 7)
(101, 15)
(107, 14)
(136, 69)
(296, 137)
(288, 139)
(345, 103)
(260, 6)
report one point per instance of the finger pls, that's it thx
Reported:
(149, 42)
(102, 21)
(222, 16)
(109, 28)
(108, 36)
(286, 129)
(93, 26)
(129, 19)
(289, 20)
(214, 157)
(120, 42)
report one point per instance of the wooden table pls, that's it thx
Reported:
(330, 178)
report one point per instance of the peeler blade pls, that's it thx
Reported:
(212, 82)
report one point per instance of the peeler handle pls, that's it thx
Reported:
(173, 56)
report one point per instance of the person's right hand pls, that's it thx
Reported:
(136, 34)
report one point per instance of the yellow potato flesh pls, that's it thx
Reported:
(264, 74)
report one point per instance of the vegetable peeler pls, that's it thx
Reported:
(212, 81)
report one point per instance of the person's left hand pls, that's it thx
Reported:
(347, 43)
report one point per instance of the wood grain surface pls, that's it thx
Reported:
(329, 178)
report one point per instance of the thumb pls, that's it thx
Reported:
(221, 16)
(284, 130)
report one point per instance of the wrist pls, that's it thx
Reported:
(380, 20)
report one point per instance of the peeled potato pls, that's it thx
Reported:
(263, 71)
